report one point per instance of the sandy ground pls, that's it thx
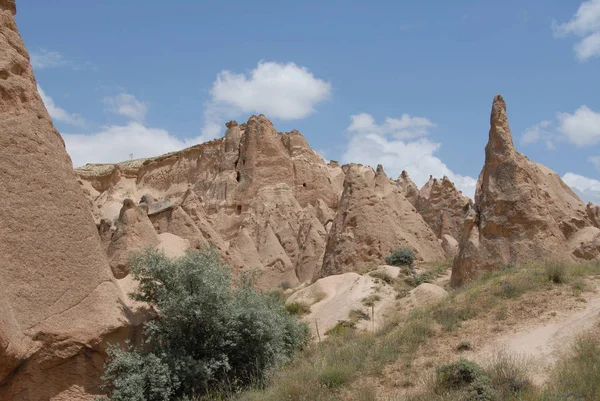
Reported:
(541, 344)
(539, 326)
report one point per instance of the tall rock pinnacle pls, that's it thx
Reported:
(523, 211)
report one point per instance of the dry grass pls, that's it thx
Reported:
(403, 355)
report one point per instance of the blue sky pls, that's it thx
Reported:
(406, 83)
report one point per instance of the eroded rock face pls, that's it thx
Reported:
(373, 219)
(443, 208)
(134, 231)
(523, 211)
(262, 198)
(408, 187)
(59, 303)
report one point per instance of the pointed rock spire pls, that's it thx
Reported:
(500, 140)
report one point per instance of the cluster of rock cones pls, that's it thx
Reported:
(265, 200)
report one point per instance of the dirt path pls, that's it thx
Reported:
(542, 343)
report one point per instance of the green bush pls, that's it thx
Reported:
(466, 376)
(458, 374)
(207, 335)
(401, 257)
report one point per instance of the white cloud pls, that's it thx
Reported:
(116, 143)
(278, 90)
(406, 127)
(283, 91)
(48, 59)
(374, 144)
(582, 127)
(539, 132)
(585, 23)
(58, 113)
(588, 189)
(127, 105)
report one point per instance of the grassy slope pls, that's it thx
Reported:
(399, 361)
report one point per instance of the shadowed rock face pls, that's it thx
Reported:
(373, 219)
(59, 302)
(523, 211)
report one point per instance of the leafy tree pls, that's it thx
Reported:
(208, 334)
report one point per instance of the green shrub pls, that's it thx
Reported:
(458, 374)
(467, 377)
(401, 257)
(207, 335)
(297, 308)
(137, 376)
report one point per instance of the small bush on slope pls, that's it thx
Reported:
(208, 335)
(401, 257)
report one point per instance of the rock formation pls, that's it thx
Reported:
(262, 198)
(523, 211)
(408, 187)
(373, 219)
(443, 208)
(59, 303)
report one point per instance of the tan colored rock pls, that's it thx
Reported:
(523, 211)
(373, 219)
(58, 304)
(227, 192)
(134, 231)
(593, 212)
(449, 245)
(443, 207)
(426, 294)
(172, 245)
(311, 237)
(408, 187)
(332, 298)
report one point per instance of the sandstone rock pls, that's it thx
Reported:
(332, 298)
(443, 207)
(134, 231)
(373, 219)
(426, 294)
(449, 245)
(58, 303)
(593, 212)
(408, 187)
(523, 211)
(252, 192)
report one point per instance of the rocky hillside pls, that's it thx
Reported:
(267, 201)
